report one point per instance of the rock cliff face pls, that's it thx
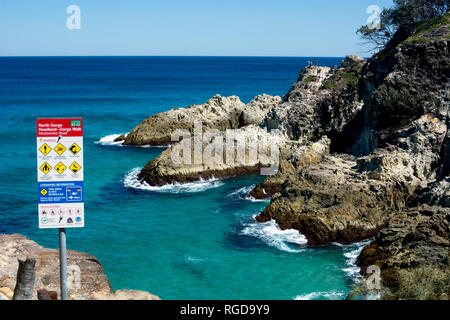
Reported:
(346, 199)
(418, 238)
(93, 283)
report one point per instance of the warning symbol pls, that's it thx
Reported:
(75, 167)
(44, 192)
(45, 149)
(74, 148)
(45, 168)
(60, 168)
(60, 149)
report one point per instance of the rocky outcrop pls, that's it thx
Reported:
(416, 238)
(393, 128)
(216, 162)
(346, 199)
(322, 102)
(293, 157)
(92, 284)
(219, 113)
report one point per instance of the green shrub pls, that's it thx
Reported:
(425, 283)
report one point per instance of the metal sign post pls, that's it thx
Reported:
(63, 263)
(60, 181)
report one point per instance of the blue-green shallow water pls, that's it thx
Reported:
(178, 244)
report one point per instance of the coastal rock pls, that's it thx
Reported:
(322, 102)
(415, 239)
(256, 110)
(219, 113)
(163, 169)
(346, 199)
(406, 83)
(126, 295)
(293, 157)
(92, 280)
(6, 293)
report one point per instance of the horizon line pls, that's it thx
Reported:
(168, 56)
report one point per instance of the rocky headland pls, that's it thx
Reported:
(89, 279)
(364, 152)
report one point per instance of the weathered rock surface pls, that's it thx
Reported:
(417, 237)
(93, 282)
(347, 199)
(416, 242)
(219, 113)
(293, 157)
(163, 169)
(322, 102)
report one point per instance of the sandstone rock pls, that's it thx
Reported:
(293, 157)
(217, 113)
(122, 137)
(256, 110)
(347, 199)
(353, 60)
(164, 170)
(322, 102)
(7, 293)
(128, 295)
(91, 276)
(414, 239)
(410, 81)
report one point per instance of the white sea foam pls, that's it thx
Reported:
(270, 233)
(131, 181)
(243, 192)
(252, 199)
(351, 252)
(109, 140)
(332, 295)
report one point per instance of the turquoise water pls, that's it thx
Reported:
(195, 241)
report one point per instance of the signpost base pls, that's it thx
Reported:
(63, 263)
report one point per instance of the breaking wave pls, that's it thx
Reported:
(332, 295)
(351, 252)
(270, 233)
(131, 181)
(109, 140)
(243, 192)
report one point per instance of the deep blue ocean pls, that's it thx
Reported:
(195, 241)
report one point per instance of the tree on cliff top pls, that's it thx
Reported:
(405, 14)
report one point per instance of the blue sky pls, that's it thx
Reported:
(185, 27)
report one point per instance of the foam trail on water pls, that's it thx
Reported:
(332, 295)
(351, 252)
(243, 192)
(270, 233)
(131, 181)
(109, 140)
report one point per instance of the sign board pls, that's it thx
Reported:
(60, 173)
